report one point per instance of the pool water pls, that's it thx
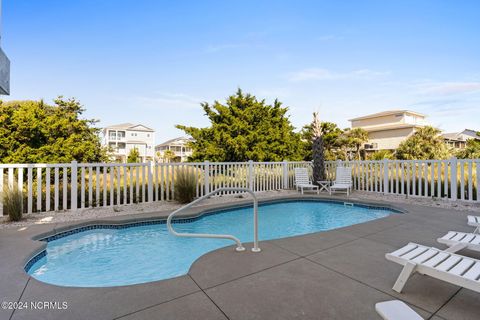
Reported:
(139, 254)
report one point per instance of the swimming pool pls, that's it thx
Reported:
(113, 256)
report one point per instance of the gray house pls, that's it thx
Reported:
(4, 64)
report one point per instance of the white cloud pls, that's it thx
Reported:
(325, 74)
(221, 47)
(170, 100)
(329, 37)
(448, 88)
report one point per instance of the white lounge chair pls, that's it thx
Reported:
(343, 180)
(396, 310)
(461, 240)
(474, 221)
(439, 264)
(302, 180)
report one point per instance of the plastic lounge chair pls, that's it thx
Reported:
(302, 181)
(396, 310)
(343, 180)
(474, 221)
(461, 240)
(439, 264)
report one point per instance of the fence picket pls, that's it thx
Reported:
(39, 189)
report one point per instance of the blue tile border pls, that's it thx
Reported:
(34, 259)
(126, 225)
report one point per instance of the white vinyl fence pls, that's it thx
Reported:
(453, 179)
(54, 187)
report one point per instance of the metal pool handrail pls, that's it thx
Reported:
(240, 247)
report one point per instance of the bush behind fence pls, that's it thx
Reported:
(55, 187)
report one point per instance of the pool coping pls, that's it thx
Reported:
(190, 215)
(222, 269)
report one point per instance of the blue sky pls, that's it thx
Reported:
(153, 62)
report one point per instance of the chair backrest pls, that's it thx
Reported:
(344, 175)
(301, 176)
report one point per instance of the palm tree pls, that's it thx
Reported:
(317, 150)
(357, 137)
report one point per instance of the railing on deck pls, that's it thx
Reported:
(54, 187)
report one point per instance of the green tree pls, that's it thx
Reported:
(35, 132)
(330, 134)
(242, 129)
(168, 155)
(133, 156)
(317, 150)
(471, 150)
(424, 144)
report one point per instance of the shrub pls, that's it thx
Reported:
(13, 203)
(382, 154)
(185, 185)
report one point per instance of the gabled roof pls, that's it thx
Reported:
(387, 113)
(472, 133)
(130, 126)
(457, 136)
(174, 140)
(140, 127)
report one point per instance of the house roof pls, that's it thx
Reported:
(451, 136)
(130, 126)
(387, 113)
(472, 133)
(392, 127)
(174, 140)
(458, 136)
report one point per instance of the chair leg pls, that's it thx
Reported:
(407, 271)
(456, 247)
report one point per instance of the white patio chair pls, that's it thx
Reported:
(461, 240)
(343, 180)
(396, 310)
(302, 180)
(474, 221)
(439, 264)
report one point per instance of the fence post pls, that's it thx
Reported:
(250, 175)
(150, 181)
(386, 185)
(74, 181)
(207, 177)
(285, 174)
(453, 179)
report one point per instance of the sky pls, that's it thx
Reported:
(153, 62)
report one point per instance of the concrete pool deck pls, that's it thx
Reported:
(338, 274)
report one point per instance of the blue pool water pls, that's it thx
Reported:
(138, 254)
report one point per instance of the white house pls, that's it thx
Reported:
(387, 129)
(179, 147)
(122, 138)
(4, 64)
(458, 140)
